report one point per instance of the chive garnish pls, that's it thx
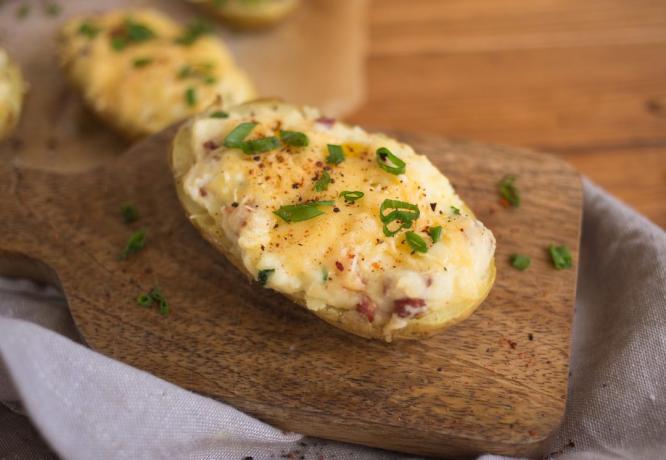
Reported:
(235, 138)
(404, 213)
(129, 213)
(335, 154)
(509, 191)
(322, 183)
(263, 275)
(154, 296)
(89, 30)
(294, 138)
(191, 96)
(561, 256)
(435, 233)
(52, 9)
(265, 144)
(416, 242)
(351, 196)
(397, 167)
(194, 30)
(135, 243)
(142, 62)
(144, 300)
(23, 11)
(131, 33)
(301, 212)
(455, 210)
(219, 114)
(520, 262)
(324, 274)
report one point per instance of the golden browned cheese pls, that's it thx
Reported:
(12, 89)
(340, 263)
(140, 71)
(249, 13)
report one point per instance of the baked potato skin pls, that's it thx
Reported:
(182, 158)
(12, 90)
(140, 87)
(249, 14)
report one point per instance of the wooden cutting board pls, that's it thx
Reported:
(494, 383)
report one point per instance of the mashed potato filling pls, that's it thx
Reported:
(341, 258)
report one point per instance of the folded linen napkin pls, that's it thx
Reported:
(85, 405)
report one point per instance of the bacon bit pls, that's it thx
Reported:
(326, 121)
(319, 164)
(203, 191)
(339, 266)
(210, 145)
(504, 203)
(408, 307)
(367, 308)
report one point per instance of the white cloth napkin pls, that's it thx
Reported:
(86, 406)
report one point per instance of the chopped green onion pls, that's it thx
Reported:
(23, 11)
(130, 33)
(219, 114)
(154, 296)
(237, 135)
(191, 97)
(520, 261)
(144, 300)
(324, 274)
(135, 243)
(142, 62)
(294, 138)
(322, 183)
(210, 80)
(561, 256)
(194, 30)
(185, 71)
(455, 210)
(384, 154)
(435, 233)
(404, 213)
(335, 154)
(265, 144)
(263, 275)
(301, 212)
(509, 191)
(89, 30)
(351, 197)
(412, 211)
(52, 9)
(416, 242)
(130, 214)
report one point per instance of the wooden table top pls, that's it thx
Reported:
(584, 80)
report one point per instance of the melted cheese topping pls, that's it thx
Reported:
(341, 259)
(143, 87)
(11, 94)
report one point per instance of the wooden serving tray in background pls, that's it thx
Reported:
(494, 383)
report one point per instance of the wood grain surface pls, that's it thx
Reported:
(583, 79)
(495, 383)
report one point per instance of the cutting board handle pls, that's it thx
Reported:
(22, 238)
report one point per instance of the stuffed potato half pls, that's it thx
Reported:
(356, 227)
(140, 71)
(12, 89)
